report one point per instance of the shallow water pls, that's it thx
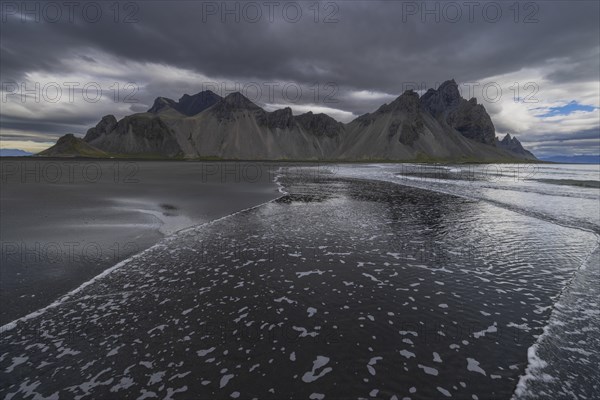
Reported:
(341, 288)
(66, 221)
(519, 187)
(563, 359)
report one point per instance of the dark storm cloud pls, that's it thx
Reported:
(372, 46)
(53, 128)
(585, 147)
(561, 137)
(369, 47)
(584, 68)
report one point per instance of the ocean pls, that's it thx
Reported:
(385, 281)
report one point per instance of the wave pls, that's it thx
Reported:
(572, 328)
(163, 243)
(546, 375)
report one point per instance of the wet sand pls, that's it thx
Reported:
(65, 221)
(344, 288)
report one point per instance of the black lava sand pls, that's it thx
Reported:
(340, 289)
(66, 221)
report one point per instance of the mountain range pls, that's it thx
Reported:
(14, 153)
(438, 126)
(577, 159)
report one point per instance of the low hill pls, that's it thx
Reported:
(71, 146)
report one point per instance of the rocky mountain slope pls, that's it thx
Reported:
(469, 118)
(137, 135)
(439, 126)
(406, 129)
(513, 145)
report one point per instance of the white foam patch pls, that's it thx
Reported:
(202, 353)
(473, 366)
(312, 375)
(490, 329)
(283, 298)
(225, 380)
(429, 370)
(307, 273)
(407, 354)
(371, 365)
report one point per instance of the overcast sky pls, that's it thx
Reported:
(533, 65)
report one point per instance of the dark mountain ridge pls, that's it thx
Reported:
(512, 144)
(438, 126)
(187, 105)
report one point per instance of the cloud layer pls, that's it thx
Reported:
(342, 58)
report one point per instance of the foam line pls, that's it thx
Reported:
(534, 362)
(63, 299)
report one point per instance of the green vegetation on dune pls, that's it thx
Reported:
(71, 146)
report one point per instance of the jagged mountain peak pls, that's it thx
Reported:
(162, 99)
(510, 140)
(207, 92)
(106, 124)
(204, 96)
(284, 112)
(409, 101)
(507, 138)
(232, 104)
(320, 124)
(513, 144)
(238, 100)
(194, 104)
(449, 83)
(467, 117)
(446, 95)
(281, 118)
(188, 105)
(108, 119)
(160, 104)
(408, 95)
(439, 124)
(317, 117)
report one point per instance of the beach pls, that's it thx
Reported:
(66, 221)
(343, 284)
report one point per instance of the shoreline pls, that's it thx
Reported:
(58, 235)
(313, 273)
(286, 161)
(65, 297)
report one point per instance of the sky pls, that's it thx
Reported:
(534, 65)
